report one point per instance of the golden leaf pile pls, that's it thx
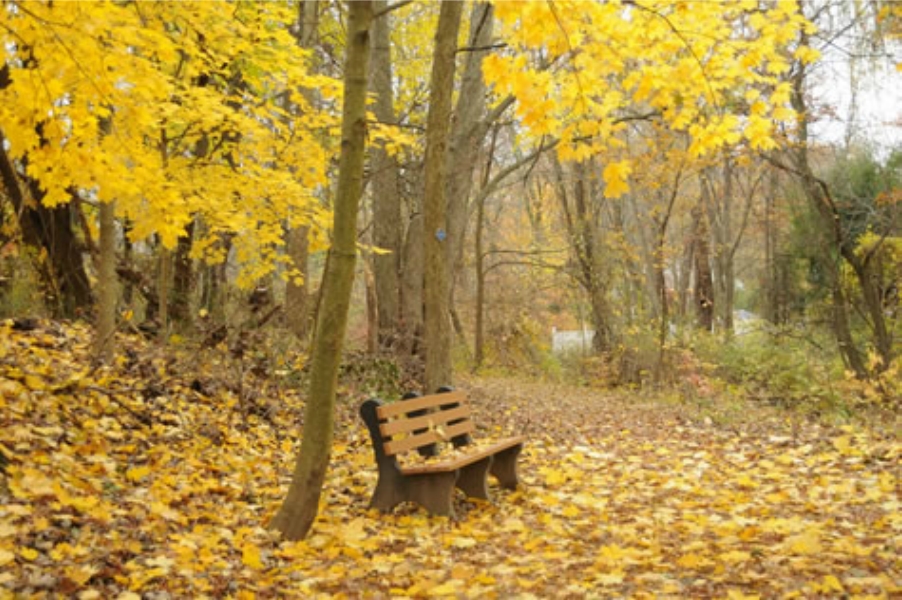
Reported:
(148, 481)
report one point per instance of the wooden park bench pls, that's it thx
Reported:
(410, 440)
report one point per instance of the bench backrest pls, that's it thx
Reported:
(422, 422)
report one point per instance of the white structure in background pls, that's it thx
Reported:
(576, 341)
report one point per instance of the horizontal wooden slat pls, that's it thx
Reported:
(402, 407)
(428, 437)
(428, 421)
(455, 463)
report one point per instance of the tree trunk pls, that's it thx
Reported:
(298, 511)
(386, 193)
(771, 281)
(297, 296)
(581, 232)
(164, 285)
(818, 194)
(104, 343)
(468, 131)
(182, 281)
(719, 204)
(64, 281)
(435, 275)
(412, 288)
(479, 337)
(704, 281)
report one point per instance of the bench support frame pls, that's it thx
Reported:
(435, 490)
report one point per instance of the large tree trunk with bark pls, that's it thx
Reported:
(436, 272)
(584, 244)
(300, 507)
(50, 233)
(386, 193)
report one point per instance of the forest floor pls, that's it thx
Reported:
(155, 479)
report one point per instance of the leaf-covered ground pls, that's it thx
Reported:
(155, 480)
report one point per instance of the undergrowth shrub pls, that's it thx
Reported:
(519, 346)
(778, 369)
(20, 293)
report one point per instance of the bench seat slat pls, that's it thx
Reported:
(386, 411)
(429, 421)
(428, 437)
(461, 461)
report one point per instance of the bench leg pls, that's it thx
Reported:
(389, 492)
(504, 467)
(473, 479)
(434, 492)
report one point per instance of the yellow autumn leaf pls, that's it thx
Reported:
(28, 554)
(806, 543)
(6, 557)
(746, 482)
(138, 473)
(448, 588)
(81, 574)
(692, 561)
(250, 556)
(735, 556)
(464, 542)
(615, 578)
(740, 595)
(832, 584)
(615, 176)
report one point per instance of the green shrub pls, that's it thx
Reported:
(780, 368)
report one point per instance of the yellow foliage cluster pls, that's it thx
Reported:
(710, 69)
(172, 110)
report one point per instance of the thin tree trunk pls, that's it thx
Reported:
(436, 275)
(298, 511)
(770, 283)
(704, 281)
(467, 133)
(104, 343)
(479, 337)
(164, 281)
(818, 195)
(182, 281)
(411, 329)
(297, 297)
(297, 294)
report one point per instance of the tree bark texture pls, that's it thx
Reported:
(818, 195)
(297, 295)
(468, 131)
(182, 281)
(436, 272)
(704, 280)
(49, 232)
(104, 343)
(584, 244)
(386, 193)
(297, 513)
